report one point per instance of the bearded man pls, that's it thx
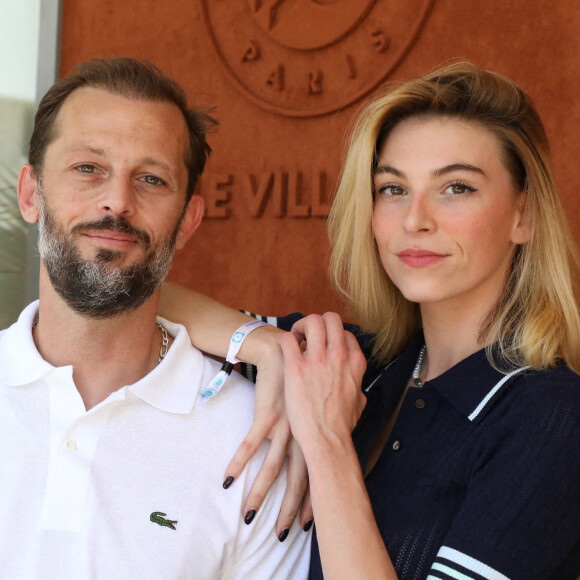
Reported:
(110, 454)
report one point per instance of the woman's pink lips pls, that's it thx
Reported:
(419, 258)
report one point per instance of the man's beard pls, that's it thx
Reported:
(97, 288)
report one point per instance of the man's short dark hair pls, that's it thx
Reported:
(131, 78)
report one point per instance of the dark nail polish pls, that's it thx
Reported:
(229, 480)
(250, 516)
(283, 534)
(308, 525)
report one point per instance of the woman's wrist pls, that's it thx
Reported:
(324, 448)
(261, 346)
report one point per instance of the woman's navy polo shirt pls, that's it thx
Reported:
(480, 476)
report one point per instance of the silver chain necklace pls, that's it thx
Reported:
(164, 342)
(417, 370)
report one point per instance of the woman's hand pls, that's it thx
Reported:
(324, 402)
(271, 422)
(210, 326)
(322, 382)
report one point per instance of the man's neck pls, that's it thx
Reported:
(106, 354)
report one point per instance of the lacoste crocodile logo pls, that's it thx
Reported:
(157, 518)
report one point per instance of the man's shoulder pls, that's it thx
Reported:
(185, 348)
(19, 359)
(186, 363)
(23, 322)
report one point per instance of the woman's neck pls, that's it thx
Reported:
(451, 335)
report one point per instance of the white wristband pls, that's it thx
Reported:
(235, 344)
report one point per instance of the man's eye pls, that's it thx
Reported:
(152, 180)
(86, 168)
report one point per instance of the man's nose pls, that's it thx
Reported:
(119, 197)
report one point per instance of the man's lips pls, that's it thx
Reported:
(111, 239)
(118, 232)
(418, 258)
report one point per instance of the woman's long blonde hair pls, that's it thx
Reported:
(536, 321)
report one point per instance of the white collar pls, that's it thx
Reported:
(173, 386)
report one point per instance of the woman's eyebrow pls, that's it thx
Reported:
(457, 167)
(389, 169)
(435, 173)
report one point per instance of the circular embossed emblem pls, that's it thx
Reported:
(305, 58)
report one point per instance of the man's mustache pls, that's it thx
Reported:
(118, 225)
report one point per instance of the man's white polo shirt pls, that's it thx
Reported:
(94, 494)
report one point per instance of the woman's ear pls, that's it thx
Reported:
(522, 230)
(28, 200)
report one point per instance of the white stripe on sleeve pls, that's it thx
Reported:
(466, 562)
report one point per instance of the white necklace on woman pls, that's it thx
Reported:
(417, 370)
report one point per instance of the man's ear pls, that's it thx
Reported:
(191, 220)
(28, 201)
(522, 230)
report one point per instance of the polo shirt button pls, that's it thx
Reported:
(420, 403)
(396, 446)
(71, 445)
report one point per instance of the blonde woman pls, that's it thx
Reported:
(452, 250)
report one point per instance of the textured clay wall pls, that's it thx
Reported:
(285, 78)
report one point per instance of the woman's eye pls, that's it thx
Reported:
(392, 190)
(152, 180)
(459, 188)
